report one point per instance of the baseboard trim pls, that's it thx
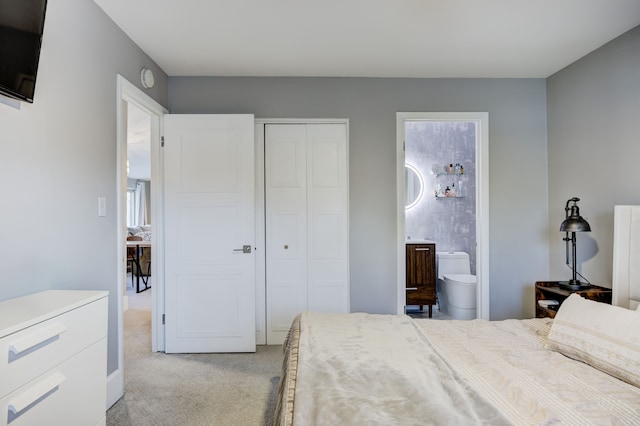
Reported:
(115, 387)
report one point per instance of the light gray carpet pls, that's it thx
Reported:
(192, 389)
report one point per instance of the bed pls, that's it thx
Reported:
(583, 367)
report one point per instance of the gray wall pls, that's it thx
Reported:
(58, 155)
(594, 150)
(518, 157)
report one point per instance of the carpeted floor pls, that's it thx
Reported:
(195, 389)
(191, 389)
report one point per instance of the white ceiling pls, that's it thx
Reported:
(370, 38)
(363, 38)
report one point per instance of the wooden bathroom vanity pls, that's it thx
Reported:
(421, 275)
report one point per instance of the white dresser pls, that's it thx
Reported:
(53, 358)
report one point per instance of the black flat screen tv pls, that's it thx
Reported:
(21, 28)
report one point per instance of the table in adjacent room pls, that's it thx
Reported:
(136, 259)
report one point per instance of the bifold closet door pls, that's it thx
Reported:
(306, 222)
(286, 223)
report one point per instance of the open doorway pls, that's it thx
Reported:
(440, 195)
(129, 95)
(139, 228)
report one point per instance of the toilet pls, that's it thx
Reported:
(456, 286)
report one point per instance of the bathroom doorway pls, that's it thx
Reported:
(442, 176)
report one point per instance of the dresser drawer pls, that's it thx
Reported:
(28, 353)
(72, 393)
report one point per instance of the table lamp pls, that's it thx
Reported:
(573, 223)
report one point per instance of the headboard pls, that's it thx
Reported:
(626, 256)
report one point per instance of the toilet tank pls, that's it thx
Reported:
(456, 262)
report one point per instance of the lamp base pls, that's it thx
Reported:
(573, 285)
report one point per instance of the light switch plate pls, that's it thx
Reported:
(102, 206)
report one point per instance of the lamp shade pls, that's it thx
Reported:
(574, 222)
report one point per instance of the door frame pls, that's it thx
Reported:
(261, 282)
(482, 201)
(126, 93)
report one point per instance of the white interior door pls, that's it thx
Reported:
(209, 233)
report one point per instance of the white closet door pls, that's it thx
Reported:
(327, 201)
(306, 222)
(286, 223)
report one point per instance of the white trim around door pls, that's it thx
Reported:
(482, 200)
(127, 93)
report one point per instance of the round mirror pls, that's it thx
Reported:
(413, 182)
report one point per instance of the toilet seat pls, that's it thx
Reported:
(464, 279)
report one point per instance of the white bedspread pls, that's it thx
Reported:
(508, 362)
(362, 369)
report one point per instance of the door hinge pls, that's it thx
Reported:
(162, 141)
(403, 146)
(162, 319)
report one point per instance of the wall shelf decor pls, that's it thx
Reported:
(444, 188)
(440, 196)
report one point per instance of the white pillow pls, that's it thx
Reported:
(604, 336)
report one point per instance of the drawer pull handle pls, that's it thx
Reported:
(36, 338)
(22, 401)
(412, 288)
(422, 249)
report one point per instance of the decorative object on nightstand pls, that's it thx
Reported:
(551, 294)
(573, 223)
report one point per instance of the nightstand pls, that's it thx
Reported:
(551, 290)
